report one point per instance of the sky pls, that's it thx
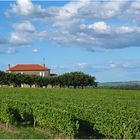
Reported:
(98, 37)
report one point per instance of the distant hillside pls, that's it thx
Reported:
(120, 84)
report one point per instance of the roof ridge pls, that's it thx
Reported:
(28, 64)
(28, 67)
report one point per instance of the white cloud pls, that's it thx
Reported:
(71, 9)
(99, 27)
(126, 29)
(81, 65)
(23, 7)
(11, 50)
(18, 39)
(27, 9)
(125, 65)
(112, 65)
(78, 9)
(82, 26)
(95, 25)
(135, 5)
(35, 50)
(25, 26)
(102, 10)
(23, 34)
(118, 65)
(96, 68)
(8, 50)
(105, 67)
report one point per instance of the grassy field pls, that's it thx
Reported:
(69, 113)
(22, 132)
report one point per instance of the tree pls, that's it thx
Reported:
(76, 79)
(64, 80)
(38, 81)
(16, 79)
(3, 78)
(29, 80)
(53, 81)
(45, 81)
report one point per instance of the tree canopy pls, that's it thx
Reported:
(72, 79)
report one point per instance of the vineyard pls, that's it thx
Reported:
(74, 113)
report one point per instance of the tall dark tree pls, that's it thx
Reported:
(16, 79)
(76, 79)
(29, 80)
(3, 78)
(53, 81)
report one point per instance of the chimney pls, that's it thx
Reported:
(44, 62)
(9, 66)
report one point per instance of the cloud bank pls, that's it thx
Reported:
(94, 25)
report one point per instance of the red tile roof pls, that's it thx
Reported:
(28, 67)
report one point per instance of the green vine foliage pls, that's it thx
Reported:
(115, 114)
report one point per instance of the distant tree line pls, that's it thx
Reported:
(125, 87)
(72, 79)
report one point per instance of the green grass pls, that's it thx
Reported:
(15, 132)
(100, 113)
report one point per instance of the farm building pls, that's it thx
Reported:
(30, 69)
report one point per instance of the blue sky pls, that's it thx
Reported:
(101, 38)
